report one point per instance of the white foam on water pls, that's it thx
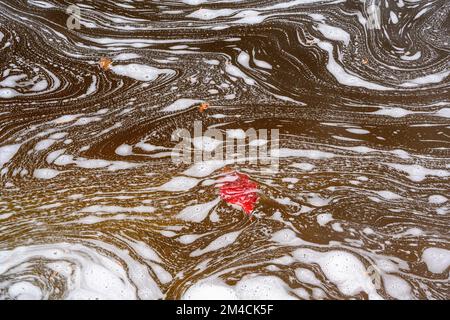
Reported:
(428, 79)
(7, 153)
(199, 212)
(236, 133)
(343, 269)
(317, 201)
(409, 57)
(444, 112)
(334, 33)
(307, 276)
(248, 288)
(65, 159)
(210, 14)
(143, 250)
(210, 290)
(41, 4)
(98, 209)
(436, 259)
(86, 120)
(418, 173)
(415, 232)
(344, 77)
(124, 150)
(303, 166)
(393, 17)
(262, 64)
(162, 274)
(189, 238)
(181, 104)
(126, 56)
(7, 93)
(194, 2)
(88, 273)
(206, 143)
(388, 195)
(401, 153)
(249, 17)
(290, 180)
(139, 72)
(25, 291)
(299, 153)
(58, 135)
(44, 144)
(396, 287)
(219, 243)
(324, 218)
(262, 288)
(286, 237)
(178, 184)
(393, 112)
(443, 210)
(66, 118)
(357, 131)
(92, 163)
(205, 168)
(437, 199)
(236, 72)
(337, 227)
(45, 173)
(292, 3)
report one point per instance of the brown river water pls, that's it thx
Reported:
(93, 205)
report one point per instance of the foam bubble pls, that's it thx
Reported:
(45, 173)
(24, 291)
(437, 199)
(181, 104)
(342, 268)
(324, 218)
(7, 153)
(417, 172)
(139, 72)
(219, 243)
(88, 273)
(198, 212)
(248, 288)
(178, 184)
(334, 33)
(436, 259)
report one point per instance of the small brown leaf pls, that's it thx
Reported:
(365, 61)
(105, 63)
(203, 106)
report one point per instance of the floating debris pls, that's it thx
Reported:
(105, 63)
(203, 106)
(241, 191)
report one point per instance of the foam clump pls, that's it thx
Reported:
(88, 273)
(343, 269)
(436, 259)
(138, 72)
(249, 288)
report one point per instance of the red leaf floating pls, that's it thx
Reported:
(240, 191)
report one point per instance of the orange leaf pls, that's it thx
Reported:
(105, 63)
(203, 106)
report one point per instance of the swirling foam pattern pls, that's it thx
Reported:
(92, 206)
